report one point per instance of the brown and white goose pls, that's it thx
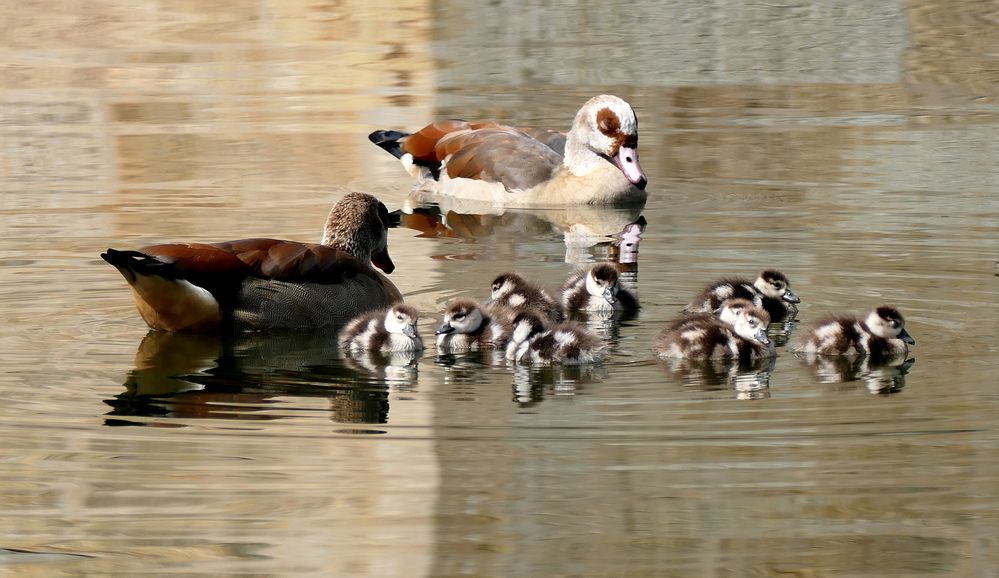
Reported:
(881, 335)
(595, 163)
(258, 284)
(701, 336)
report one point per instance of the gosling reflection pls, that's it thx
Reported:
(748, 379)
(589, 232)
(255, 377)
(879, 377)
(533, 383)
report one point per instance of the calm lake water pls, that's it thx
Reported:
(852, 145)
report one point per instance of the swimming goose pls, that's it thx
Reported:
(513, 292)
(595, 163)
(771, 290)
(392, 329)
(260, 283)
(598, 289)
(707, 337)
(467, 327)
(881, 335)
(567, 343)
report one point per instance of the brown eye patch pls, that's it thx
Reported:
(608, 122)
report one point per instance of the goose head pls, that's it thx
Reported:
(751, 325)
(505, 284)
(886, 322)
(732, 309)
(358, 224)
(401, 320)
(606, 128)
(602, 281)
(462, 316)
(775, 285)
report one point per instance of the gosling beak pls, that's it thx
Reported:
(790, 297)
(409, 331)
(610, 296)
(445, 328)
(904, 336)
(761, 336)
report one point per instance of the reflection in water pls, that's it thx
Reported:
(532, 383)
(581, 227)
(887, 376)
(749, 379)
(242, 376)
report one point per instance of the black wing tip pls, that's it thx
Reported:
(389, 140)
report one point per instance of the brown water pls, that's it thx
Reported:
(853, 146)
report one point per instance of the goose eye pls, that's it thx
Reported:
(752, 323)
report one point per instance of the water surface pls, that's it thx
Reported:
(851, 146)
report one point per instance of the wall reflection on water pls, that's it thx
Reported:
(850, 143)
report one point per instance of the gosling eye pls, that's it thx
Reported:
(459, 316)
(752, 323)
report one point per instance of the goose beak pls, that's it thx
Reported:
(382, 260)
(610, 296)
(761, 336)
(445, 328)
(626, 161)
(904, 336)
(409, 331)
(790, 297)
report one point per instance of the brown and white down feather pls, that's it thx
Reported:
(598, 289)
(385, 330)
(467, 326)
(704, 336)
(881, 335)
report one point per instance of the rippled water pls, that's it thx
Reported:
(852, 146)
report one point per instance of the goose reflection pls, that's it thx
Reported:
(245, 377)
(880, 377)
(748, 379)
(584, 229)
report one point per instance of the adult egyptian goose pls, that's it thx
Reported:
(703, 336)
(771, 290)
(598, 288)
(881, 335)
(392, 329)
(596, 163)
(258, 284)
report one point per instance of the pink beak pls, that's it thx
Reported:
(627, 161)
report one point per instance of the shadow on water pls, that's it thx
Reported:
(879, 376)
(241, 376)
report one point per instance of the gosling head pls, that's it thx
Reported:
(462, 316)
(732, 309)
(401, 319)
(752, 324)
(602, 281)
(886, 322)
(506, 284)
(775, 285)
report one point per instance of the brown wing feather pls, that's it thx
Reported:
(199, 258)
(294, 261)
(498, 154)
(422, 143)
